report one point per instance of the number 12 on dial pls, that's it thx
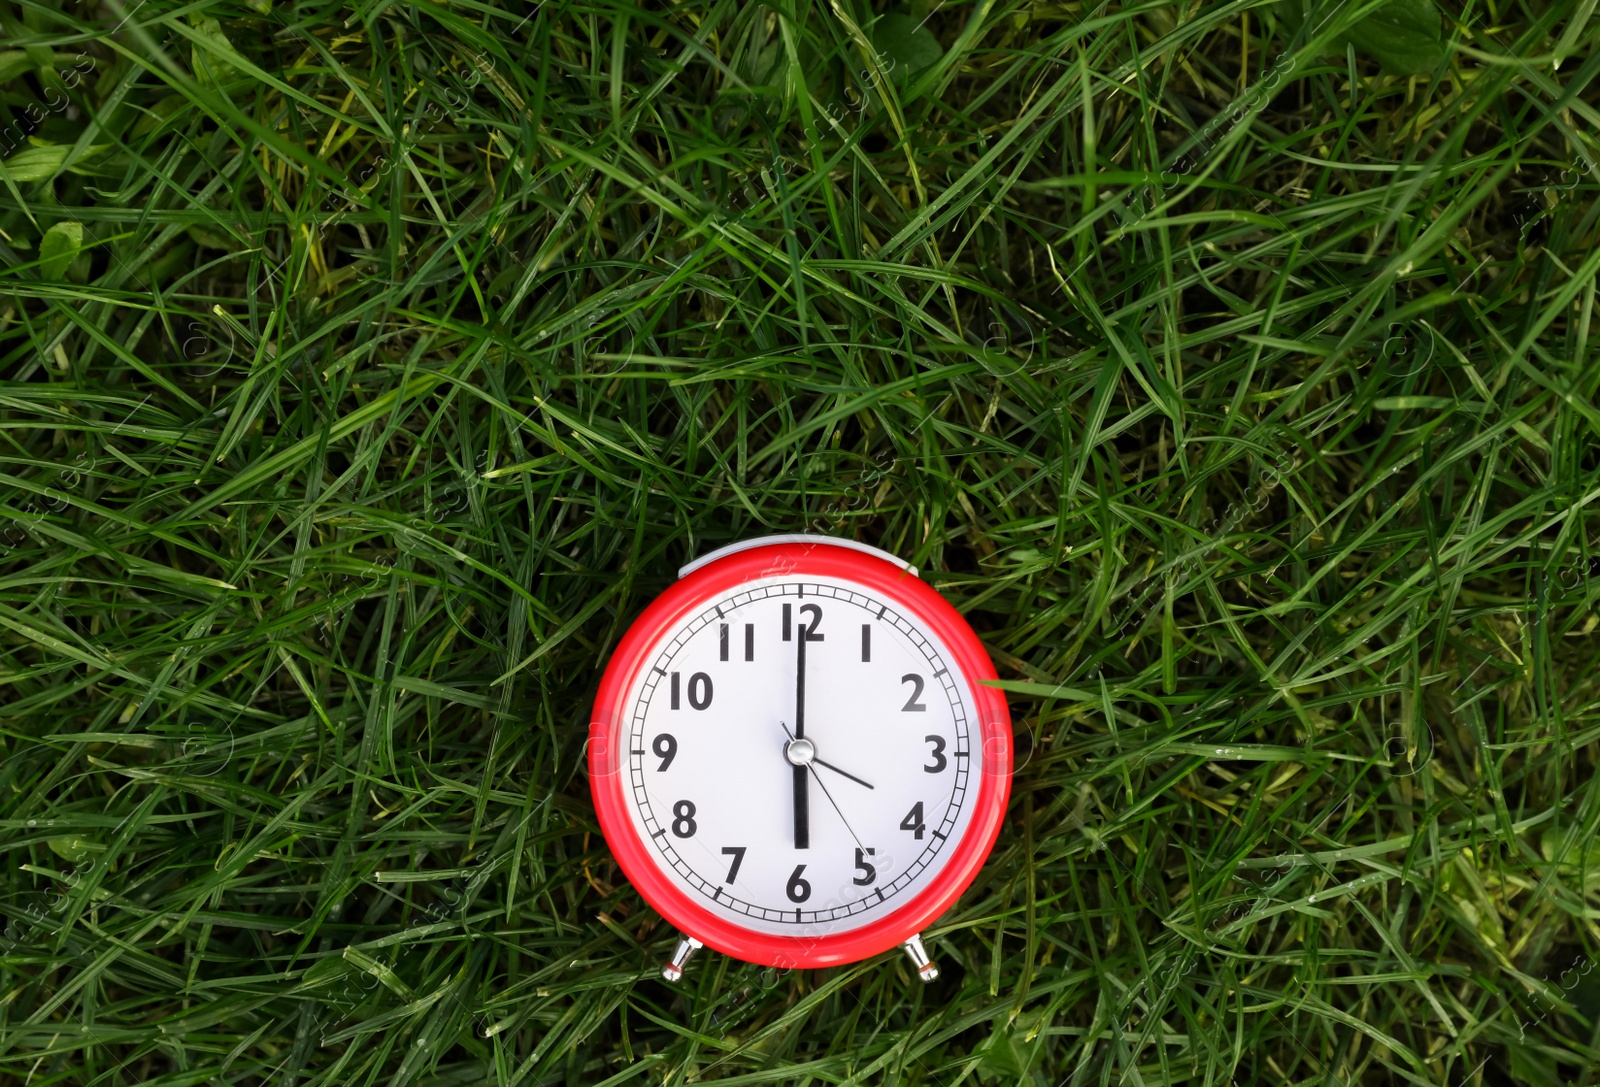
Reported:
(794, 758)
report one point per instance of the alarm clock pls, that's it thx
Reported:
(794, 758)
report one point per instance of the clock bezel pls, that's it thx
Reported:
(607, 755)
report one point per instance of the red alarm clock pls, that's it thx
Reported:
(793, 757)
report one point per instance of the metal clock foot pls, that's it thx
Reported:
(926, 969)
(687, 946)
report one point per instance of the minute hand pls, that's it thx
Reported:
(802, 815)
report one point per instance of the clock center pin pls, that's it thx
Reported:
(800, 752)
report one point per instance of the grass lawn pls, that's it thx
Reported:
(367, 366)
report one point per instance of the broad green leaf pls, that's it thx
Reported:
(1583, 855)
(1463, 886)
(1533, 1069)
(1405, 37)
(14, 62)
(42, 161)
(761, 67)
(37, 163)
(1584, 852)
(158, 112)
(1000, 1058)
(214, 239)
(1009, 1051)
(74, 849)
(908, 43)
(60, 245)
(33, 19)
(212, 65)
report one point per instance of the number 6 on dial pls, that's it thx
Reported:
(864, 779)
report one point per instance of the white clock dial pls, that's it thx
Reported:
(801, 788)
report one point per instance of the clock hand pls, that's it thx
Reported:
(836, 770)
(802, 813)
(803, 753)
(800, 685)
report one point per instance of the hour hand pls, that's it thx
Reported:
(803, 754)
(842, 773)
(799, 753)
(802, 813)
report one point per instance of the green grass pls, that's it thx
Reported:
(367, 367)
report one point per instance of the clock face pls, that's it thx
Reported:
(801, 755)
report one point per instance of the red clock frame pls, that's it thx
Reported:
(607, 753)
